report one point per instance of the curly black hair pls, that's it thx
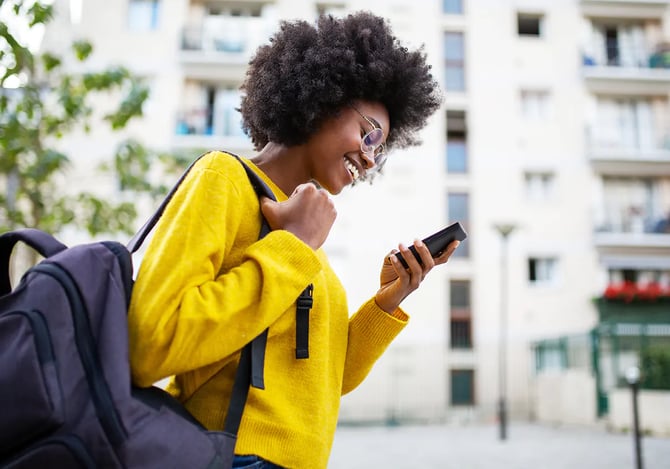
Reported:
(307, 74)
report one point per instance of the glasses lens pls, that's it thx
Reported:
(380, 159)
(372, 140)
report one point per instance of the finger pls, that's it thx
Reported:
(267, 203)
(387, 258)
(400, 271)
(304, 187)
(444, 257)
(413, 266)
(424, 253)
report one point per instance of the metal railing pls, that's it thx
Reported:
(229, 35)
(636, 57)
(636, 139)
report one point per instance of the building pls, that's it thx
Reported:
(556, 120)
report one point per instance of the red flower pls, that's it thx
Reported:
(629, 291)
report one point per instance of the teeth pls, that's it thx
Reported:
(352, 169)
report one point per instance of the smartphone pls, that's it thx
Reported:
(438, 242)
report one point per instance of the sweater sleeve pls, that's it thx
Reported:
(371, 330)
(187, 309)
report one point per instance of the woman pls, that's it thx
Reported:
(323, 105)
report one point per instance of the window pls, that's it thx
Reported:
(542, 270)
(210, 109)
(143, 15)
(634, 205)
(459, 210)
(457, 156)
(462, 387)
(636, 124)
(454, 7)
(229, 120)
(460, 323)
(539, 186)
(620, 44)
(454, 57)
(529, 25)
(534, 104)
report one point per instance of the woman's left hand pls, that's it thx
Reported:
(397, 282)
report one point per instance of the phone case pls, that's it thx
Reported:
(438, 242)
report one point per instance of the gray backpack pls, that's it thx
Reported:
(65, 388)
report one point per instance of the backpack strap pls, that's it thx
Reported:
(252, 358)
(45, 244)
(137, 240)
(304, 301)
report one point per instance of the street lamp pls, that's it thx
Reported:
(504, 229)
(633, 378)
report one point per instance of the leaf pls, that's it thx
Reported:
(82, 49)
(130, 107)
(50, 62)
(40, 13)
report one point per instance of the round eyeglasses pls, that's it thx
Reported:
(372, 144)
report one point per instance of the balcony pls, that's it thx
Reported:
(639, 9)
(613, 69)
(203, 129)
(626, 304)
(222, 45)
(629, 150)
(639, 247)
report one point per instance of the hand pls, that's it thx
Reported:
(309, 214)
(396, 282)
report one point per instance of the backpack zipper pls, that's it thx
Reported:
(102, 398)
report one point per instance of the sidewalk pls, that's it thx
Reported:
(528, 446)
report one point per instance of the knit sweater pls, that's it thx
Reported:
(207, 286)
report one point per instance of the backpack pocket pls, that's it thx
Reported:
(30, 390)
(68, 450)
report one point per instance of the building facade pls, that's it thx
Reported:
(556, 122)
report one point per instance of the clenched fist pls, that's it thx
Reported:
(309, 214)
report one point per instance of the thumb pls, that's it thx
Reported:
(269, 209)
(267, 205)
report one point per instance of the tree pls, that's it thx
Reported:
(40, 103)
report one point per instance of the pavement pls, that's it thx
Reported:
(473, 446)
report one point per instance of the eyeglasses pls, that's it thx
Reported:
(372, 144)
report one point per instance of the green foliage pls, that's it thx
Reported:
(655, 368)
(40, 103)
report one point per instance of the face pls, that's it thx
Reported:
(340, 152)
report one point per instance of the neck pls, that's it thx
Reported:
(286, 166)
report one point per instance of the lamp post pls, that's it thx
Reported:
(504, 229)
(633, 378)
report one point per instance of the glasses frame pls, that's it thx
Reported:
(379, 158)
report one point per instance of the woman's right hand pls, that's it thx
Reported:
(309, 214)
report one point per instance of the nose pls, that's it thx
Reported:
(368, 159)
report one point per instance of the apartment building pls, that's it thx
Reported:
(555, 122)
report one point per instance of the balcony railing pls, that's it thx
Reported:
(636, 224)
(629, 142)
(203, 122)
(632, 57)
(634, 309)
(236, 36)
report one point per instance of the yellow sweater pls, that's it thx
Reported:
(207, 286)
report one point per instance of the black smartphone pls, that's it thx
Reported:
(438, 242)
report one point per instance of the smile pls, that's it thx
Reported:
(352, 169)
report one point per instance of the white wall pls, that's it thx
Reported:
(653, 408)
(566, 397)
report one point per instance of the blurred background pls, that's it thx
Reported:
(552, 148)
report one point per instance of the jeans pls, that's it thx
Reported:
(252, 462)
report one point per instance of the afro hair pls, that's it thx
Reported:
(307, 74)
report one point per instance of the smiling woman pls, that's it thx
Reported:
(322, 103)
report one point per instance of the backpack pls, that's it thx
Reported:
(65, 383)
